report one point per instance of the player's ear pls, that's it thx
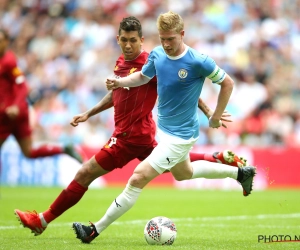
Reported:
(142, 40)
(118, 39)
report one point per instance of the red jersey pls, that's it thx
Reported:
(13, 89)
(133, 106)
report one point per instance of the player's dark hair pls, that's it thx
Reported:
(5, 34)
(131, 24)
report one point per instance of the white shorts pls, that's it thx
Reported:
(169, 151)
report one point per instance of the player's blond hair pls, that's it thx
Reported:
(170, 21)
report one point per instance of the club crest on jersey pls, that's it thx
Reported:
(182, 73)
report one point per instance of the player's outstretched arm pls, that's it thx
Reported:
(208, 112)
(104, 104)
(133, 80)
(223, 99)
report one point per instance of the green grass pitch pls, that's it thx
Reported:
(204, 219)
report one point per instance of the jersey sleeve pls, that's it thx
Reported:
(148, 69)
(213, 71)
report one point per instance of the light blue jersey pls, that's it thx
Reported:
(179, 83)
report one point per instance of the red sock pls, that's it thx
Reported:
(67, 198)
(46, 150)
(205, 157)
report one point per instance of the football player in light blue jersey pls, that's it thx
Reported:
(181, 79)
(180, 72)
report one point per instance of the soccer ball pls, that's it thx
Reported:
(160, 231)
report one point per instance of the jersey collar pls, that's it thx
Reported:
(181, 55)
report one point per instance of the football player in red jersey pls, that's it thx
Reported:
(14, 114)
(133, 137)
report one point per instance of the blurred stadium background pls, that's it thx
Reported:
(68, 48)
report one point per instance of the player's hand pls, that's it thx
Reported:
(226, 117)
(12, 112)
(214, 123)
(112, 84)
(79, 118)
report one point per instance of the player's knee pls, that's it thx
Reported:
(85, 177)
(81, 173)
(138, 180)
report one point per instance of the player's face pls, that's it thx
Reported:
(130, 44)
(3, 44)
(172, 42)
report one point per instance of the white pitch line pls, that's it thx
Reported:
(226, 225)
(224, 218)
(199, 219)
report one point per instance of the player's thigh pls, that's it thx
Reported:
(182, 170)
(168, 154)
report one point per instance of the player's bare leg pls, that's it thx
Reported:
(46, 149)
(38, 222)
(89, 172)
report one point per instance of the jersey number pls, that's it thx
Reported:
(113, 141)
